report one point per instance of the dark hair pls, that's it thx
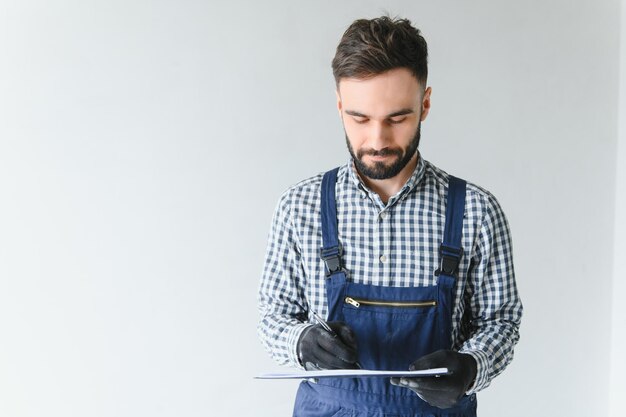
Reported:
(371, 47)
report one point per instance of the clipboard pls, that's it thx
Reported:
(354, 373)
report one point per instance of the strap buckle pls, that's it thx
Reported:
(450, 258)
(332, 258)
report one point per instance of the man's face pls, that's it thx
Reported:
(381, 117)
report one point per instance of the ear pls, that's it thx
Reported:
(425, 103)
(339, 105)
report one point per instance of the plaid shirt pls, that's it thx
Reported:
(394, 244)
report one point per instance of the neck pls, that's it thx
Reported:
(390, 186)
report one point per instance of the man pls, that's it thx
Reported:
(411, 267)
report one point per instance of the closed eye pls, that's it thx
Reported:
(397, 120)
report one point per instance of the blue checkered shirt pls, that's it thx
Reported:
(394, 244)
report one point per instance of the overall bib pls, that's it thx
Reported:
(394, 326)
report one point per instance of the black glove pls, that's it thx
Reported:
(318, 349)
(446, 390)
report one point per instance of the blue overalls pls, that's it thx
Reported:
(394, 326)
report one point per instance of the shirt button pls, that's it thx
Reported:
(383, 258)
(383, 215)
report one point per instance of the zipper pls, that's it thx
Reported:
(357, 302)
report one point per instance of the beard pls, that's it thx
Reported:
(380, 170)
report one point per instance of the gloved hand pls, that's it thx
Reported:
(318, 349)
(444, 391)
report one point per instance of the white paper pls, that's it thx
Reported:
(352, 373)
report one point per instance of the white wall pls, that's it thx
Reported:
(143, 146)
(618, 327)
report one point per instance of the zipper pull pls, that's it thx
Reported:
(352, 302)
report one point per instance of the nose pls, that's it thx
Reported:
(379, 136)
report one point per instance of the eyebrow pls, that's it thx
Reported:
(401, 112)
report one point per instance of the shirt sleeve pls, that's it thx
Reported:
(495, 305)
(282, 304)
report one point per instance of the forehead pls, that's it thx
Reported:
(381, 94)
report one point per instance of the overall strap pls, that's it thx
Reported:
(331, 250)
(450, 250)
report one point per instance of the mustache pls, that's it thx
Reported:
(382, 152)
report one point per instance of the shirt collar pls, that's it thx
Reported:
(413, 180)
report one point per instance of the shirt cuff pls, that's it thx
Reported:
(292, 341)
(482, 371)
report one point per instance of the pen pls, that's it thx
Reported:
(326, 327)
(323, 323)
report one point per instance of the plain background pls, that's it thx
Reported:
(144, 145)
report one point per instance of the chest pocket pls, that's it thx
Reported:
(423, 255)
(392, 324)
